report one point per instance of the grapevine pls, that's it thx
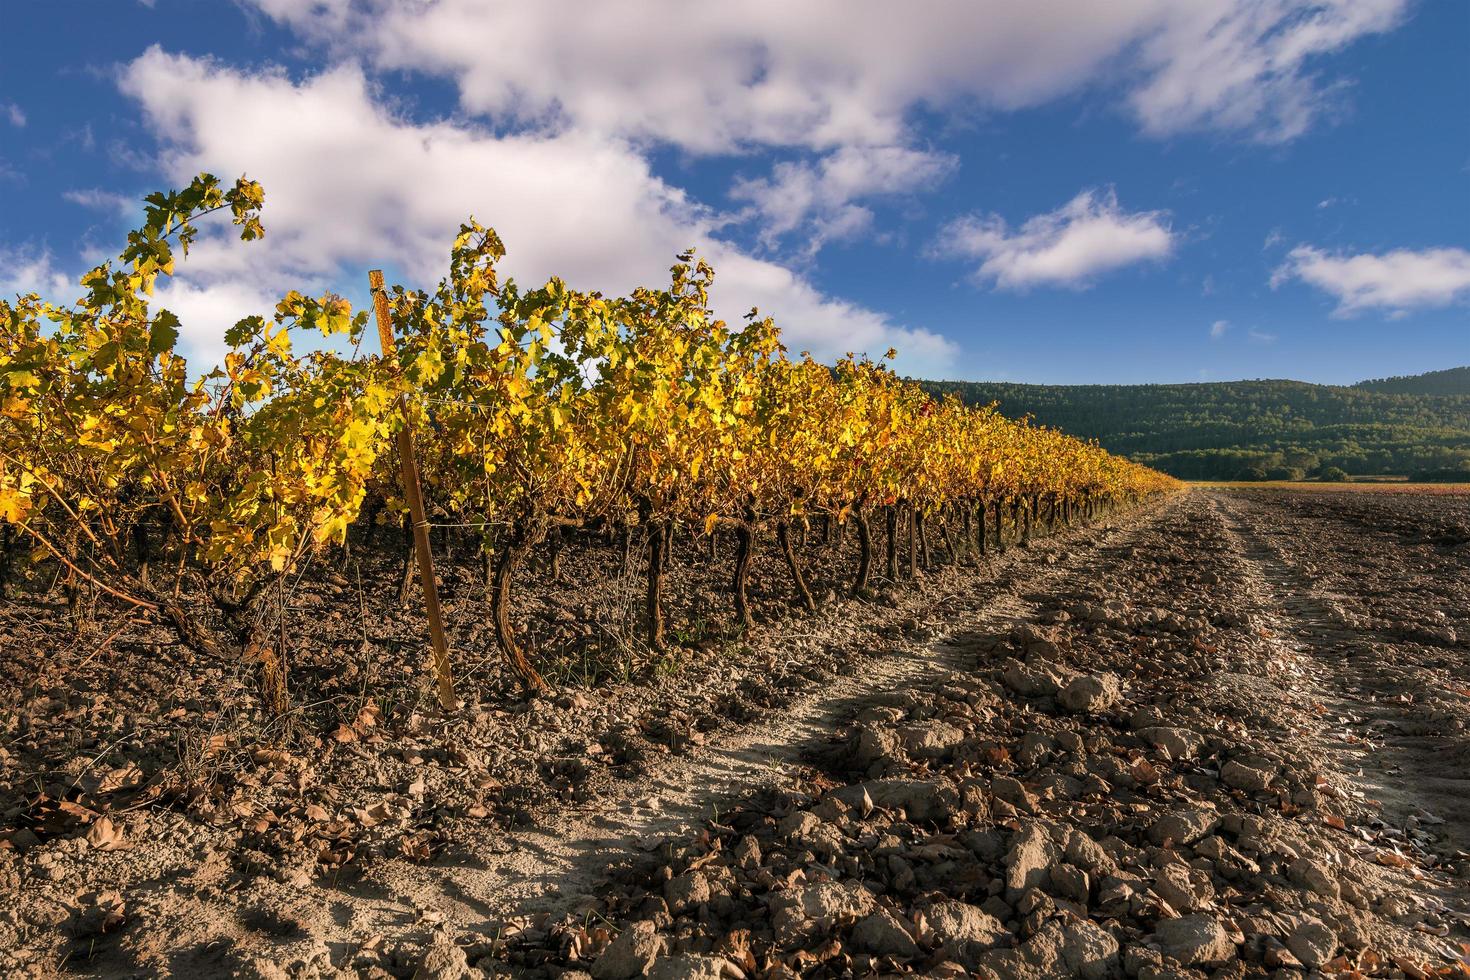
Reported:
(193, 498)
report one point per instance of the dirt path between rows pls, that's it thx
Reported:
(1371, 683)
(556, 866)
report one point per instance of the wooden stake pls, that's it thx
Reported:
(416, 511)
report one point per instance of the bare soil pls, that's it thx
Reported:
(1224, 736)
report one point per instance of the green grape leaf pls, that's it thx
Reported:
(163, 333)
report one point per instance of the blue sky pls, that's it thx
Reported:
(1060, 191)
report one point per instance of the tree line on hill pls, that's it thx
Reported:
(1259, 430)
(1454, 381)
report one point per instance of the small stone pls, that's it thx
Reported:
(630, 955)
(883, 935)
(1089, 950)
(1183, 826)
(1195, 939)
(1277, 956)
(686, 966)
(1179, 743)
(1034, 900)
(443, 961)
(1071, 883)
(1013, 792)
(1136, 959)
(800, 824)
(830, 900)
(1148, 716)
(686, 891)
(920, 799)
(261, 968)
(1313, 943)
(1243, 777)
(1029, 860)
(1035, 747)
(1088, 854)
(1184, 888)
(1091, 694)
(1069, 740)
(1315, 876)
(1027, 680)
(962, 922)
(874, 747)
(747, 852)
(929, 739)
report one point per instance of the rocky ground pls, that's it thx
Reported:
(1223, 737)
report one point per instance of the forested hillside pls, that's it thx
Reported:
(1257, 429)
(1455, 381)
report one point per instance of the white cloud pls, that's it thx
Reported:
(1218, 329)
(100, 200)
(1260, 336)
(351, 186)
(1249, 67)
(31, 270)
(14, 113)
(819, 198)
(1396, 281)
(826, 73)
(1071, 246)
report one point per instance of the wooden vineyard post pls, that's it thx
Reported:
(416, 510)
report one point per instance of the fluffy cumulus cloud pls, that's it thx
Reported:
(1250, 67)
(349, 185)
(1397, 281)
(564, 102)
(828, 73)
(1088, 236)
(29, 270)
(820, 198)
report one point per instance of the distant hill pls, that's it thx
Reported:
(1257, 429)
(1455, 381)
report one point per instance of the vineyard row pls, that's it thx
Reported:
(192, 498)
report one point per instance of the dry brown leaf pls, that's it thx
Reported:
(1143, 771)
(105, 835)
(1411, 969)
(123, 777)
(272, 758)
(1389, 859)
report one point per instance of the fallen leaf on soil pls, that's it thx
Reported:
(105, 835)
(1391, 860)
(272, 758)
(1411, 969)
(123, 777)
